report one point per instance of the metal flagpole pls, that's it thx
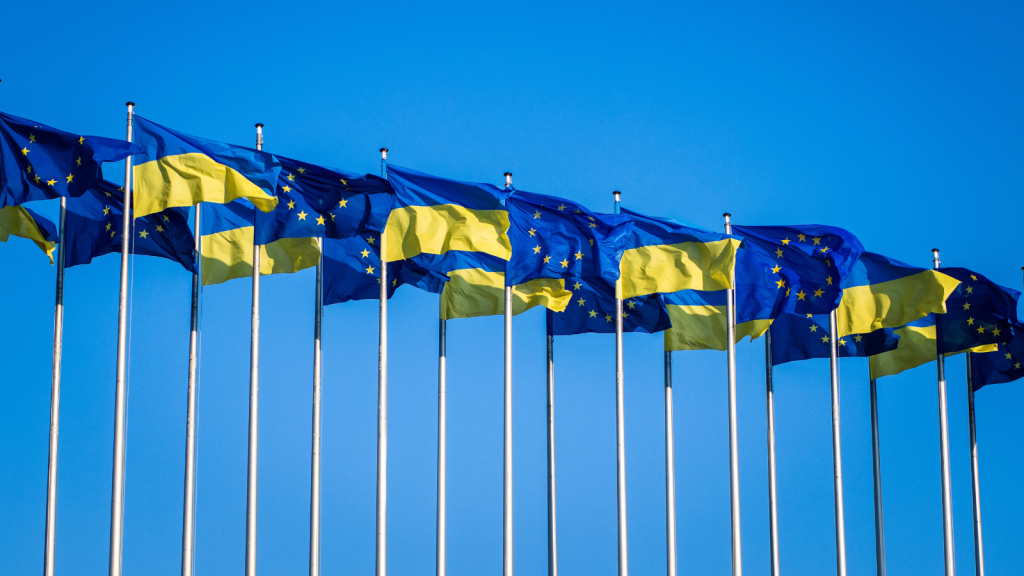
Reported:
(620, 420)
(442, 447)
(837, 449)
(734, 456)
(773, 510)
(947, 497)
(552, 517)
(58, 347)
(121, 387)
(382, 400)
(254, 403)
(670, 470)
(979, 552)
(876, 461)
(314, 498)
(189, 521)
(507, 548)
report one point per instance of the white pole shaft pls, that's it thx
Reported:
(979, 551)
(670, 471)
(837, 450)
(507, 548)
(382, 404)
(620, 436)
(58, 347)
(876, 460)
(442, 448)
(947, 498)
(254, 405)
(734, 457)
(188, 525)
(121, 386)
(314, 477)
(773, 510)
(552, 515)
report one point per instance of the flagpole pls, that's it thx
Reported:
(254, 404)
(58, 348)
(876, 461)
(442, 448)
(773, 510)
(121, 379)
(552, 517)
(189, 522)
(314, 498)
(507, 547)
(947, 498)
(382, 399)
(979, 552)
(734, 457)
(670, 470)
(620, 419)
(837, 450)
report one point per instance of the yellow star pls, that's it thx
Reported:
(592, 225)
(533, 232)
(608, 317)
(776, 269)
(995, 331)
(547, 259)
(824, 339)
(80, 140)
(25, 151)
(631, 304)
(780, 283)
(857, 338)
(593, 314)
(625, 315)
(973, 277)
(562, 207)
(393, 282)
(343, 203)
(842, 342)
(785, 242)
(970, 289)
(332, 217)
(301, 170)
(29, 170)
(536, 249)
(291, 177)
(981, 329)
(577, 285)
(564, 263)
(320, 221)
(78, 162)
(286, 189)
(70, 177)
(829, 280)
(291, 205)
(1017, 365)
(343, 182)
(143, 234)
(970, 321)
(51, 182)
(112, 234)
(365, 252)
(814, 327)
(787, 291)
(581, 301)
(536, 214)
(108, 227)
(801, 237)
(967, 305)
(817, 241)
(591, 241)
(159, 228)
(37, 182)
(106, 210)
(369, 269)
(1009, 356)
(778, 253)
(32, 138)
(825, 249)
(166, 219)
(800, 295)
(370, 240)
(579, 255)
(119, 190)
(591, 218)
(818, 293)
(810, 315)
(302, 214)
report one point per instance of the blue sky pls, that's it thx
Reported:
(900, 122)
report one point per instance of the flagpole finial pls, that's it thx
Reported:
(617, 195)
(728, 222)
(130, 104)
(508, 179)
(935, 258)
(383, 153)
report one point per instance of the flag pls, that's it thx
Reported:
(93, 228)
(325, 202)
(352, 271)
(433, 215)
(24, 223)
(1002, 365)
(38, 162)
(664, 256)
(917, 346)
(176, 169)
(978, 312)
(556, 238)
(810, 261)
(227, 245)
(592, 309)
(885, 293)
(803, 336)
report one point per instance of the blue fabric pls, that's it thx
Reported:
(593, 310)
(1002, 366)
(803, 336)
(351, 268)
(652, 231)
(978, 312)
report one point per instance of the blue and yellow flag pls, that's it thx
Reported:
(176, 169)
(24, 223)
(884, 293)
(38, 162)
(803, 336)
(663, 256)
(93, 228)
(556, 238)
(433, 215)
(352, 271)
(592, 309)
(227, 245)
(325, 202)
(810, 262)
(1003, 365)
(917, 346)
(978, 312)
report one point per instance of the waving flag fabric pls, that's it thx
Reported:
(592, 309)
(352, 271)
(978, 312)
(804, 336)
(1002, 365)
(24, 223)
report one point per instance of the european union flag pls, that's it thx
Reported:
(592, 309)
(1002, 366)
(325, 202)
(803, 336)
(24, 223)
(38, 162)
(556, 238)
(810, 262)
(978, 312)
(352, 271)
(93, 228)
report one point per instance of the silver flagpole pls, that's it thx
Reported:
(58, 347)
(947, 497)
(382, 400)
(773, 510)
(314, 498)
(121, 388)
(979, 552)
(507, 548)
(188, 526)
(620, 421)
(734, 453)
(552, 517)
(876, 461)
(837, 449)
(254, 404)
(670, 470)
(442, 447)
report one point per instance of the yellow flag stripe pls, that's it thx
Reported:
(188, 179)
(228, 255)
(413, 230)
(476, 292)
(894, 303)
(672, 267)
(703, 328)
(15, 220)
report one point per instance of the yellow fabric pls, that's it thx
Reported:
(895, 303)
(916, 347)
(416, 230)
(17, 221)
(672, 267)
(476, 292)
(188, 179)
(228, 255)
(703, 328)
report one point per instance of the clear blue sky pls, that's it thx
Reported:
(900, 122)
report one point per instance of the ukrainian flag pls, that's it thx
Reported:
(176, 170)
(227, 246)
(917, 346)
(433, 215)
(24, 223)
(884, 293)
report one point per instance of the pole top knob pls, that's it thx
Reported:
(508, 179)
(726, 215)
(508, 174)
(617, 194)
(383, 153)
(130, 104)
(259, 124)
